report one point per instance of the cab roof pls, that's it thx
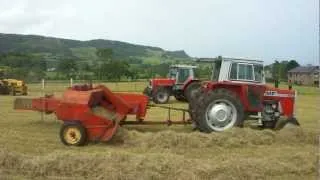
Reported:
(230, 59)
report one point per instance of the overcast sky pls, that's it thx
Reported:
(260, 29)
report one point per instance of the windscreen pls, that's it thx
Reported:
(246, 72)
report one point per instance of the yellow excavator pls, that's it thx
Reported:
(14, 87)
(11, 86)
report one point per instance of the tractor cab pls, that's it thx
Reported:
(181, 73)
(236, 70)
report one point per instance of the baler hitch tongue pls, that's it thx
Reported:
(23, 104)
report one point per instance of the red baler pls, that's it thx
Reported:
(88, 114)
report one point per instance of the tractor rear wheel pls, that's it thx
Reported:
(73, 134)
(219, 110)
(191, 89)
(193, 103)
(161, 95)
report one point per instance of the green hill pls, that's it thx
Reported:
(57, 48)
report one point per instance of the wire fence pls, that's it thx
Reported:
(56, 87)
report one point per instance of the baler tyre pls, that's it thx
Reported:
(219, 110)
(161, 95)
(73, 134)
(191, 89)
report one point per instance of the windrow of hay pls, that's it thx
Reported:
(125, 165)
(237, 137)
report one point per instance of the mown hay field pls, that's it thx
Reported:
(30, 148)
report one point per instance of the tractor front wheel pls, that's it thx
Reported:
(161, 95)
(73, 134)
(218, 111)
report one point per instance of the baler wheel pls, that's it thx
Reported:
(73, 134)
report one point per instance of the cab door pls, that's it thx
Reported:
(251, 75)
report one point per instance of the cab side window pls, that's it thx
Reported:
(240, 71)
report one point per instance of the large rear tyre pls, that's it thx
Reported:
(161, 95)
(195, 100)
(219, 110)
(191, 90)
(73, 134)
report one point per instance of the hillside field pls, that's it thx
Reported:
(31, 149)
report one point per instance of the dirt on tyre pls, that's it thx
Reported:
(218, 111)
(191, 89)
(73, 134)
(193, 103)
(161, 95)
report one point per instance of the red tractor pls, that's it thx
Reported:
(181, 83)
(237, 91)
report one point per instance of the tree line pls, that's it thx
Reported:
(32, 67)
(279, 69)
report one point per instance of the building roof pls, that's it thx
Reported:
(304, 69)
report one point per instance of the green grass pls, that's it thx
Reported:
(31, 149)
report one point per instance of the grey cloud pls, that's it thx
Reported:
(260, 29)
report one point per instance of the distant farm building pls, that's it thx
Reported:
(304, 75)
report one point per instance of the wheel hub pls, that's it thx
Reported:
(162, 97)
(72, 135)
(221, 115)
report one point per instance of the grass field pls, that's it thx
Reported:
(30, 148)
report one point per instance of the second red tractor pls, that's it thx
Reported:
(180, 83)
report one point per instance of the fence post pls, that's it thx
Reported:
(42, 95)
(71, 82)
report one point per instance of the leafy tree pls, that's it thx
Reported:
(292, 64)
(104, 54)
(275, 70)
(68, 67)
